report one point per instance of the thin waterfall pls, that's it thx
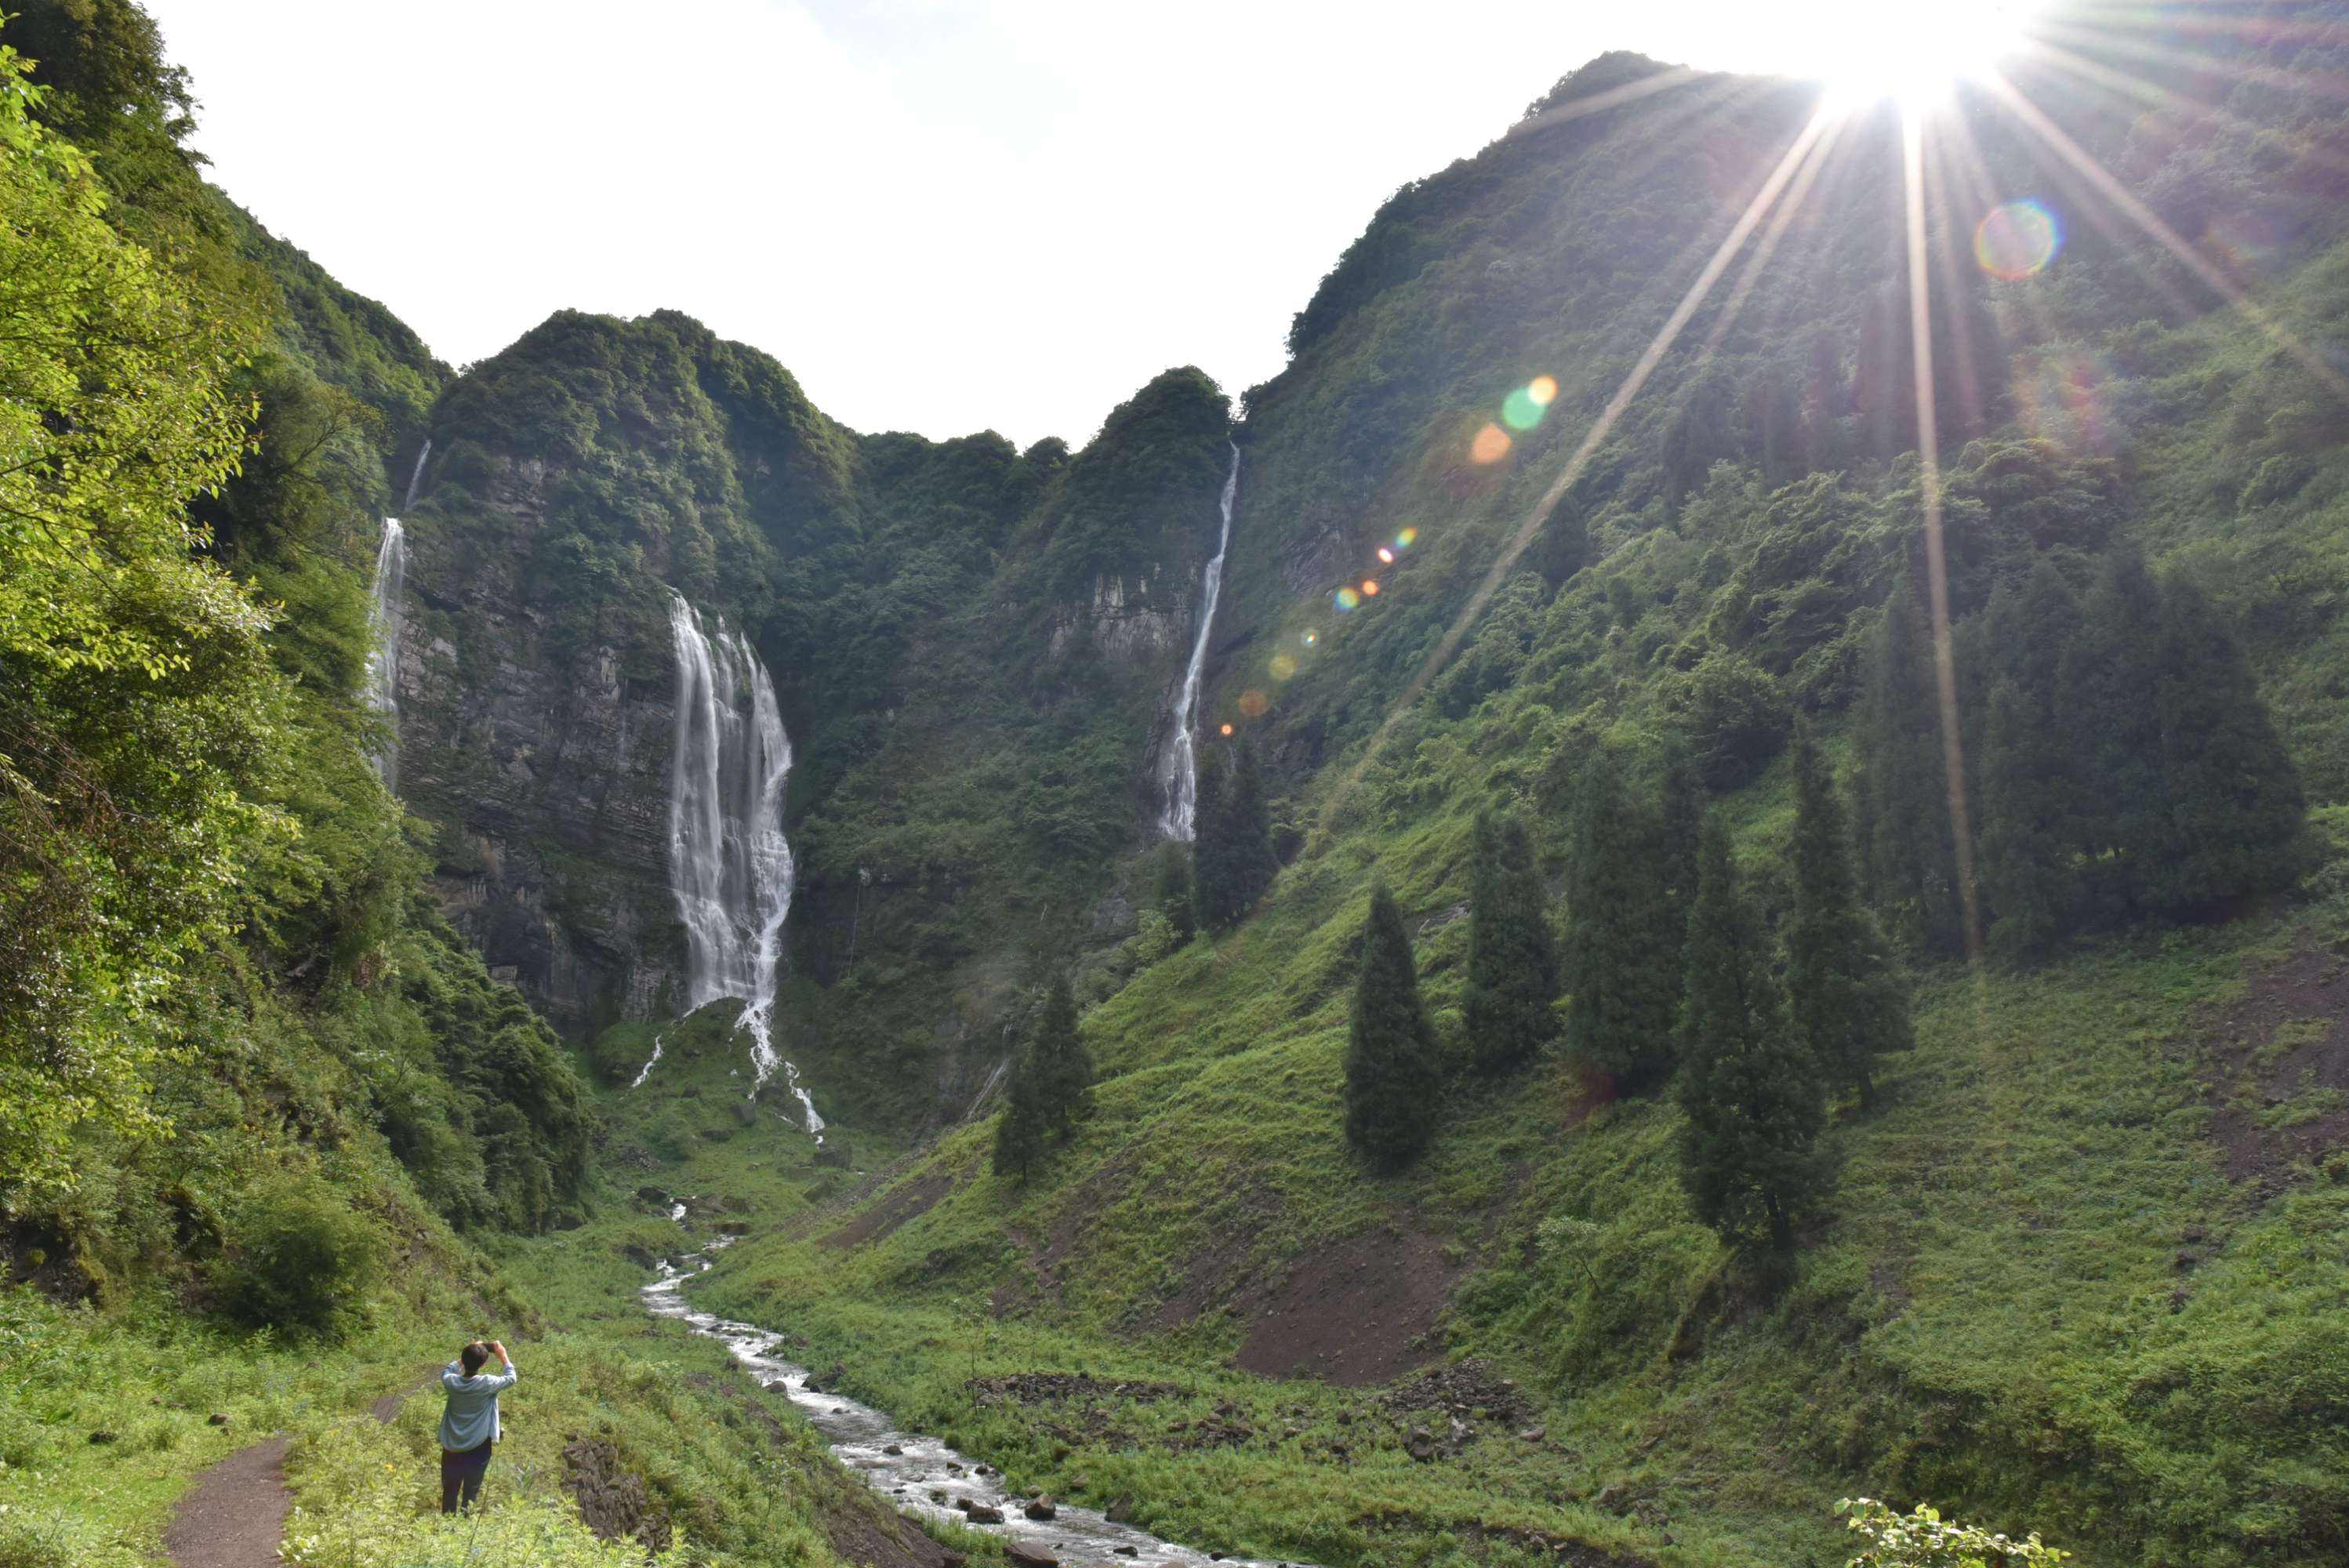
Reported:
(383, 656)
(650, 1062)
(415, 475)
(730, 865)
(1178, 766)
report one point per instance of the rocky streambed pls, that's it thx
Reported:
(922, 1476)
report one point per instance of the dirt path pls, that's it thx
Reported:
(234, 1516)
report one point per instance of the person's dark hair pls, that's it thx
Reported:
(472, 1357)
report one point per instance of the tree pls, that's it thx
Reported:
(1619, 932)
(1846, 997)
(2030, 789)
(2234, 808)
(1020, 1135)
(1750, 1091)
(1512, 957)
(2110, 718)
(1392, 1072)
(1682, 828)
(1171, 890)
(1900, 790)
(1232, 860)
(1063, 1068)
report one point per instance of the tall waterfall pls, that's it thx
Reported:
(383, 659)
(730, 867)
(1178, 766)
(415, 475)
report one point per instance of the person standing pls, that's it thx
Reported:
(469, 1427)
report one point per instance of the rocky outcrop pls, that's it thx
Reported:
(611, 1497)
(1133, 622)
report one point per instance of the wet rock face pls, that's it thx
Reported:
(536, 735)
(611, 1498)
(1143, 622)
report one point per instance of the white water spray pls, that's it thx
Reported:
(729, 866)
(650, 1062)
(415, 476)
(1178, 766)
(383, 658)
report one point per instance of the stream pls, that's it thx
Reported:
(922, 1476)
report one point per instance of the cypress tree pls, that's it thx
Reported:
(1063, 1068)
(1621, 932)
(1171, 890)
(1847, 998)
(2111, 722)
(1748, 1161)
(1512, 957)
(1232, 862)
(2233, 807)
(1682, 828)
(1908, 853)
(1020, 1135)
(2029, 784)
(1392, 1073)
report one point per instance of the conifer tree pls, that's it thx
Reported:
(2233, 807)
(1171, 889)
(1902, 796)
(1512, 956)
(1682, 828)
(1020, 1135)
(1063, 1068)
(1847, 998)
(2111, 719)
(1748, 1159)
(1232, 860)
(1620, 932)
(1392, 1072)
(2029, 789)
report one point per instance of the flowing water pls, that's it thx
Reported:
(383, 657)
(922, 1476)
(415, 475)
(650, 1062)
(1178, 766)
(729, 866)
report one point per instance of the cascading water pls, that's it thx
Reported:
(415, 475)
(383, 659)
(729, 866)
(1178, 767)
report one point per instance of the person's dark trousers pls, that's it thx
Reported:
(460, 1476)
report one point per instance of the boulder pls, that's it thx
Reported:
(982, 1513)
(1120, 1511)
(1042, 1508)
(1027, 1556)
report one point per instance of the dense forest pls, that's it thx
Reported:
(1759, 931)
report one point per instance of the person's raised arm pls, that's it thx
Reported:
(507, 1379)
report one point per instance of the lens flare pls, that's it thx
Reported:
(1311, 638)
(1226, 729)
(1491, 445)
(1386, 554)
(1542, 390)
(1348, 600)
(2017, 240)
(1370, 587)
(1284, 665)
(1519, 411)
(1253, 703)
(1406, 539)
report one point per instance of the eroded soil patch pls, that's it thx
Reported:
(2277, 1065)
(900, 1208)
(1355, 1313)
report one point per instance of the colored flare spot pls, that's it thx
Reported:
(1253, 703)
(1284, 665)
(2017, 240)
(1311, 638)
(1370, 587)
(1519, 411)
(1386, 555)
(1406, 539)
(1491, 445)
(1226, 728)
(1348, 599)
(1543, 390)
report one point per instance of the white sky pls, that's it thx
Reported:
(942, 215)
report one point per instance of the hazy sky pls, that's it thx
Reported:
(942, 215)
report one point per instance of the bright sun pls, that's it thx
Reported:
(1913, 51)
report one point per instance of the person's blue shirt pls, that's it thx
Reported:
(472, 1418)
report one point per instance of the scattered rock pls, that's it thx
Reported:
(640, 1256)
(1042, 1508)
(101, 1439)
(653, 1195)
(823, 1382)
(1534, 1435)
(778, 1386)
(611, 1497)
(218, 1418)
(1028, 1556)
(982, 1513)
(1121, 1512)
(894, 1448)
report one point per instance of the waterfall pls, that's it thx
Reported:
(1178, 767)
(729, 866)
(383, 660)
(650, 1062)
(415, 475)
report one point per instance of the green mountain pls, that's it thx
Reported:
(1964, 1125)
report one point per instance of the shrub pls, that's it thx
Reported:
(1921, 1540)
(298, 1260)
